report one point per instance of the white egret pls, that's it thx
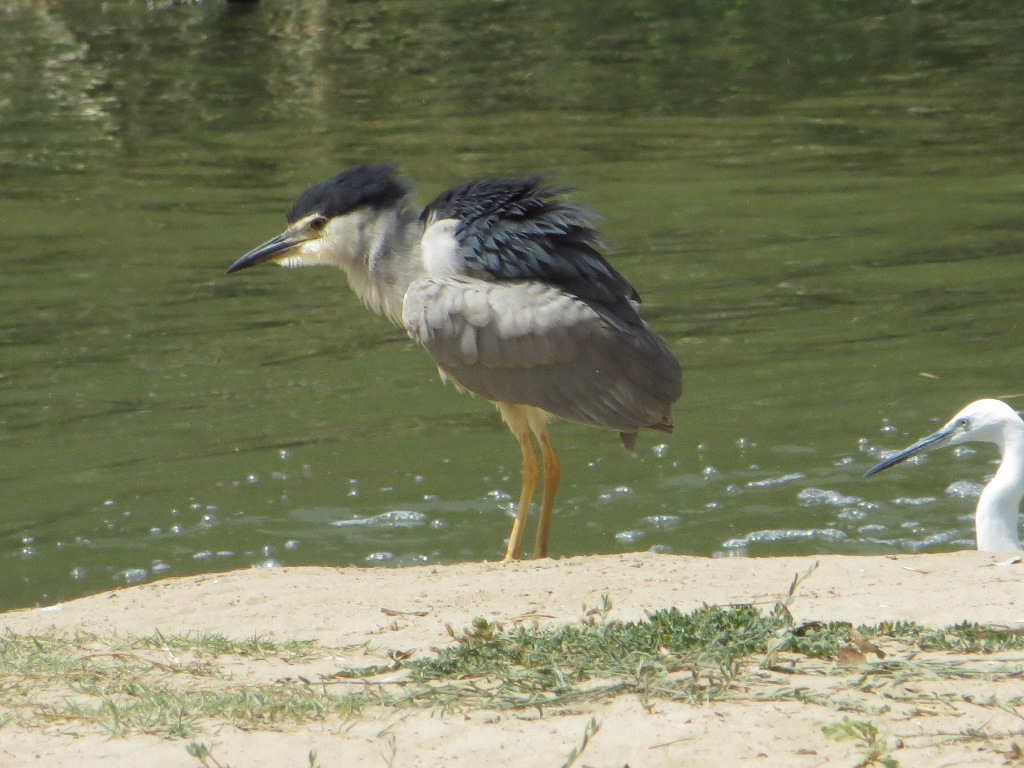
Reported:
(986, 421)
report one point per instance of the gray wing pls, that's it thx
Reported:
(534, 344)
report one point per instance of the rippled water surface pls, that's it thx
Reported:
(821, 208)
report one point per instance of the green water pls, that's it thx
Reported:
(820, 204)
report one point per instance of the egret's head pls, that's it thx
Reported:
(982, 421)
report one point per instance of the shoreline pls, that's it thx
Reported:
(364, 616)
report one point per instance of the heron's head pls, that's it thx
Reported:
(984, 421)
(340, 221)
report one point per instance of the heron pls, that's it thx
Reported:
(985, 421)
(502, 281)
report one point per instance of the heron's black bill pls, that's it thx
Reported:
(922, 445)
(269, 251)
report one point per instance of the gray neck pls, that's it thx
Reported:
(389, 263)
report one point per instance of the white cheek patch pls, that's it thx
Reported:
(308, 254)
(440, 250)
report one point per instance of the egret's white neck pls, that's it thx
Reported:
(996, 520)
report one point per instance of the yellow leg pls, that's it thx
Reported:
(531, 473)
(552, 477)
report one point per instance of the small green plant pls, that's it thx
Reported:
(876, 750)
(598, 615)
(202, 753)
(175, 685)
(593, 726)
(390, 751)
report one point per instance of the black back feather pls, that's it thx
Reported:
(518, 229)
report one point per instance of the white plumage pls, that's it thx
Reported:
(997, 516)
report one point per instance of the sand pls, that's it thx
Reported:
(411, 609)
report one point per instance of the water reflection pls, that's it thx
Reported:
(819, 203)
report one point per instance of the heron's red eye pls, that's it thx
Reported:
(317, 223)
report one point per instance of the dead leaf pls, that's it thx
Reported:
(1014, 755)
(531, 615)
(851, 657)
(864, 645)
(393, 612)
(913, 570)
(806, 627)
(771, 658)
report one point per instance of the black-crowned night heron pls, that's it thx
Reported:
(997, 516)
(501, 281)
